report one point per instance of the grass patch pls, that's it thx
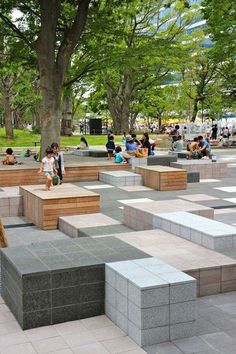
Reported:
(25, 138)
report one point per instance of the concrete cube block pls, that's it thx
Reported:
(185, 233)
(122, 321)
(183, 292)
(148, 317)
(110, 311)
(196, 236)
(148, 298)
(110, 276)
(182, 312)
(110, 294)
(122, 304)
(121, 285)
(223, 243)
(149, 336)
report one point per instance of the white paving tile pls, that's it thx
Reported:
(209, 180)
(135, 188)
(197, 197)
(231, 164)
(132, 201)
(230, 189)
(98, 186)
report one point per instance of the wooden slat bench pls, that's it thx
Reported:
(23, 175)
(163, 178)
(44, 208)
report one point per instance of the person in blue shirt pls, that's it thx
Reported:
(130, 144)
(204, 146)
(118, 155)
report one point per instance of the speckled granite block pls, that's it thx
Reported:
(149, 300)
(59, 281)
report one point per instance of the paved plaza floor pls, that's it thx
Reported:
(215, 330)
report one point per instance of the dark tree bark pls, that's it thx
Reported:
(66, 122)
(19, 117)
(195, 110)
(53, 64)
(119, 103)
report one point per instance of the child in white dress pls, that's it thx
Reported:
(48, 167)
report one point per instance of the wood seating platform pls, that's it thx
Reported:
(25, 175)
(206, 168)
(43, 208)
(163, 178)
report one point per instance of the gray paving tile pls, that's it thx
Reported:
(219, 341)
(164, 348)
(192, 345)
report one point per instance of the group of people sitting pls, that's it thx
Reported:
(133, 147)
(199, 148)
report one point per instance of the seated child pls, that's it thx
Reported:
(56, 179)
(119, 158)
(10, 158)
(48, 167)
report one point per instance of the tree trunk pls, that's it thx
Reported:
(133, 117)
(50, 113)
(66, 122)
(119, 103)
(7, 107)
(19, 118)
(159, 119)
(195, 110)
(37, 115)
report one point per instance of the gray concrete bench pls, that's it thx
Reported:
(206, 168)
(203, 231)
(121, 178)
(88, 225)
(98, 153)
(193, 177)
(141, 216)
(149, 300)
(162, 160)
(59, 281)
(81, 152)
(11, 202)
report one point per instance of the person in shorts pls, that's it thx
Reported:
(48, 167)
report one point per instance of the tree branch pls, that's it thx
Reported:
(15, 29)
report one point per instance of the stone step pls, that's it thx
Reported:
(121, 178)
(141, 216)
(88, 225)
(211, 234)
(11, 202)
(149, 300)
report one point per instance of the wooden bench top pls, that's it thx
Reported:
(158, 168)
(67, 190)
